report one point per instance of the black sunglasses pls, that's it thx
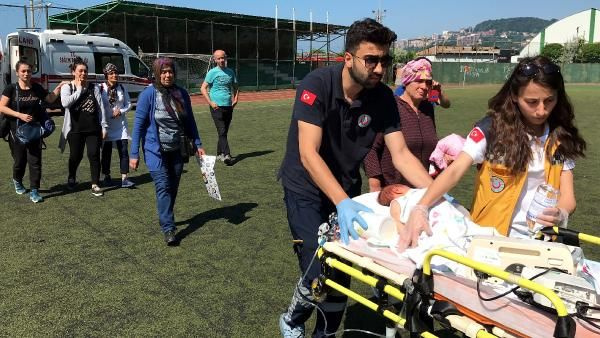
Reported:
(531, 69)
(371, 61)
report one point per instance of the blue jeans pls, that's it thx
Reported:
(122, 146)
(166, 182)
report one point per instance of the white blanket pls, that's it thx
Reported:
(450, 224)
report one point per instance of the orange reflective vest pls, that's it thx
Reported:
(497, 192)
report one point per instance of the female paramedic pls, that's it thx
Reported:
(527, 138)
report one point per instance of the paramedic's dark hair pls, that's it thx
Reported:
(76, 62)
(368, 30)
(21, 63)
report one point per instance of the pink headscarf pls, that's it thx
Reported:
(416, 70)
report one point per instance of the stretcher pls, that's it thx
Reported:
(452, 301)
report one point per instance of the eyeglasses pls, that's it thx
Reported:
(531, 69)
(371, 61)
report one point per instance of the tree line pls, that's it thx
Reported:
(577, 51)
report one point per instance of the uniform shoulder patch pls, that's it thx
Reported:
(476, 135)
(308, 97)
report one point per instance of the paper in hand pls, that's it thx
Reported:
(207, 167)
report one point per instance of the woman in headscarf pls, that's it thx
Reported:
(119, 102)
(163, 117)
(418, 126)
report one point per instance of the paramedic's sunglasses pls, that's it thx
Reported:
(531, 69)
(371, 61)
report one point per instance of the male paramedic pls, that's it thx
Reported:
(337, 112)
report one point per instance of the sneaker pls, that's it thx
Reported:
(34, 196)
(107, 182)
(126, 183)
(170, 238)
(97, 191)
(19, 188)
(220, 157)
(71, 183)
(228, 160)
(288, 331)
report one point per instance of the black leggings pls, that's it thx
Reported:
(24, 154)
(77, 141)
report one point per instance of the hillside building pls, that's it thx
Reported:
(583, 25)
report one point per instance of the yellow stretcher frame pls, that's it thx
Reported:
(463, 324)
(575, 234)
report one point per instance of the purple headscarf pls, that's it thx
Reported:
(171, 93)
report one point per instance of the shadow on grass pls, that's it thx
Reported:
(360, 318)
(241, 157)
(62, 189)
(234, 214)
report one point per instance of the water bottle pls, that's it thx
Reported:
(545, 197)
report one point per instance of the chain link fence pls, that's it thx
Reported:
(191, 68)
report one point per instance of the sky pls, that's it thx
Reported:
(409, 19)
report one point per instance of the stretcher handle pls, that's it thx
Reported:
(571, 234)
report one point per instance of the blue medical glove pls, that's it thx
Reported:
(347, 213)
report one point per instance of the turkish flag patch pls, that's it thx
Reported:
(308, 97)
(476, 135)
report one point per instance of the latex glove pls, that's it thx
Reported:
(418, 221)
(553, 216)
(347, 213)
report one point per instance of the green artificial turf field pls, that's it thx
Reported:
(78, 265)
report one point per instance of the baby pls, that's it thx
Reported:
(401, 199)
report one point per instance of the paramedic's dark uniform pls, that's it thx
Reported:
(348, 132)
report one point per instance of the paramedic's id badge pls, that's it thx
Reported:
(364, 120)
(497, 184)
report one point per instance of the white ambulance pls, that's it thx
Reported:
(52, 51)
